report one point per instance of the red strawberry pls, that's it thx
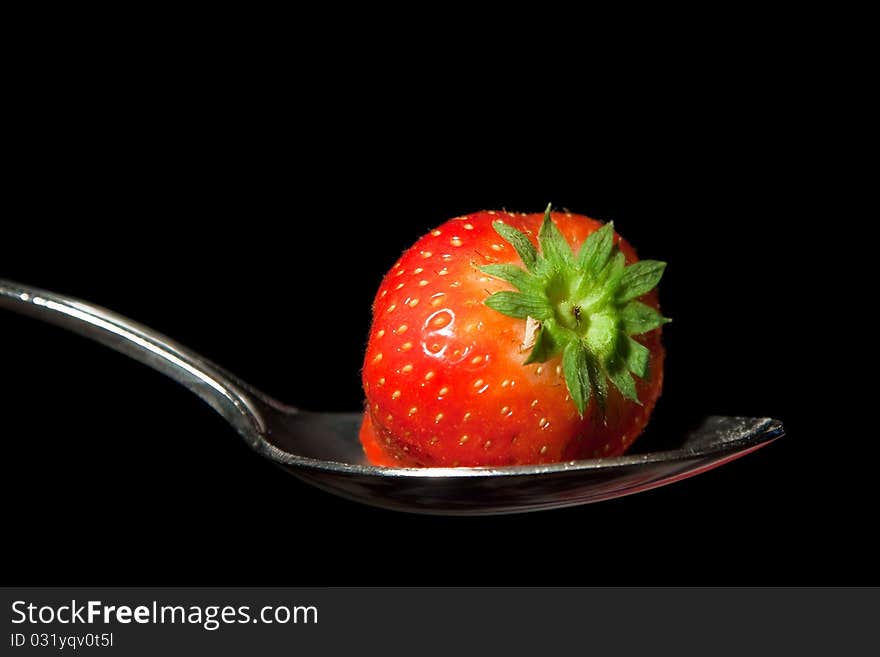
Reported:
(487, 351)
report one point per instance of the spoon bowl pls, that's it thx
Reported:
(323, 448)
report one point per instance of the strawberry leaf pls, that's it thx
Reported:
(640, 278)
(520, 306)
(514, 275)
(521, 244)
(574, 359)
(636, 318)
(596, 250)
(554, 248)
(635, 355)
(598, 382)
(614, 271)
(544, 346)
(623, 381)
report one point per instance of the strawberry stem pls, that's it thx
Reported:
(585, 306)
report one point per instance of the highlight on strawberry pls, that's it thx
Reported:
(505, 339)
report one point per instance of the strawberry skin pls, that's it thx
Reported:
(444, 373)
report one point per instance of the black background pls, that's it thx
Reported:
(252, 217)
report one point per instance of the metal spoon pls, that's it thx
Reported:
(323, 448)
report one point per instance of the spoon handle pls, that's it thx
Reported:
(240, 404)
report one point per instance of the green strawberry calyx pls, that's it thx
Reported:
(584, 306)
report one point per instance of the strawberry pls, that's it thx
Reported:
(502, 339)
